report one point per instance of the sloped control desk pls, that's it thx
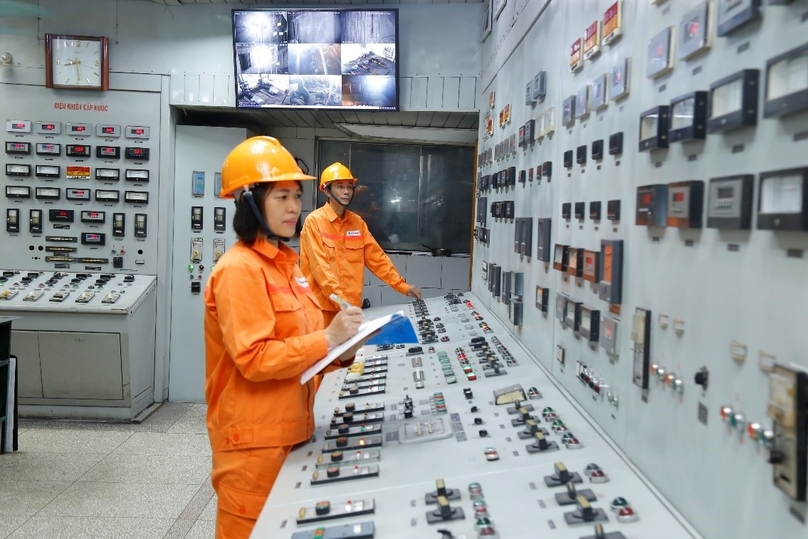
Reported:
(85, 342)
(426, 441)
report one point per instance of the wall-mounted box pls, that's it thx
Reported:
(561, 307)
(572, 314)
(685, 204)
(580, 154)
(592, 40)
(539, 85)
(609, 335)
(786, 83)
(733, 101)
(529, 93)
(613, 22)
(547, 169)
(568, 111)
(575, 262)
(641, 336)
(542, 298)
(530, 130)
(733, 15)
(660, 54)
(652, 205)
(561, 257)
(729, 202)
(594, 210)
(619, 87)
(591, 266)
(526, 245)
(616, 143)
(543, 245)
(568, 159)
(580, 210)
(783, 200)
(654, 128)
(582, 103)
(611, 271)
(694, 32)
(613, 210)
(600, 92)
(566, 210)
(589, 323)
(597, 149)
(688, 117)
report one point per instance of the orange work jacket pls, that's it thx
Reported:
(334, 253)
(263, 328)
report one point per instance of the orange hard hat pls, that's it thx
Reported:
(335, 173)
(258, 160)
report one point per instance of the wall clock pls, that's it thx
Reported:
(76, 62)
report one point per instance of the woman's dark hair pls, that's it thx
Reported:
(245, 225)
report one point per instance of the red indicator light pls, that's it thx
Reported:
(78, 128)
(107, 129)
(647, 198)
(678, 197)
(18, 126)
(48, 127)
(137, 131)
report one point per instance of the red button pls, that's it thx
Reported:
(235, 438)
(241, 510)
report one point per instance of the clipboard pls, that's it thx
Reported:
(364, 330)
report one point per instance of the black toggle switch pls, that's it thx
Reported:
(702, 378)
(478, 420)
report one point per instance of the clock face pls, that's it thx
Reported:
(77, 62)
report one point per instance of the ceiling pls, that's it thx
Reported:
(328, 119)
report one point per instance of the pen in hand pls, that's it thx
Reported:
(339, 301)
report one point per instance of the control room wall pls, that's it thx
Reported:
(725, 286)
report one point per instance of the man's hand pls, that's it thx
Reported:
(414, 292)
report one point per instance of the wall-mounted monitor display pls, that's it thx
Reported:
(304, 58)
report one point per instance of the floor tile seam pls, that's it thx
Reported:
(62, 491)
(20, 526)
(200, 501)
(179, 522)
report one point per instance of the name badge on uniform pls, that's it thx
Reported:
(353, 233)
(302, 282)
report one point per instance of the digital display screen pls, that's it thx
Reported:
(108, 130)
(137, 130)
(18, 147)
(92, 216)
(725, 192)
(18, 125)
(683, 113)
(646, 199)
(78, 128)
(91, 238)
(678, 196)
(108, 151)
(44, 148)
(48, 127)
(74, 150)
(316, 58)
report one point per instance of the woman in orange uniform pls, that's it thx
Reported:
(263, 328)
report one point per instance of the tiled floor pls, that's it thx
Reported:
(74, 480)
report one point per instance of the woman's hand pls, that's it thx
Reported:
(343, 326)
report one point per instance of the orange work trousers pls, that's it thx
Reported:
(242, 481)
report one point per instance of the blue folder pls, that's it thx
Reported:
(398, 331)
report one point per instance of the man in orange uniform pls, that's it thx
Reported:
(263, 328)
(336, 247)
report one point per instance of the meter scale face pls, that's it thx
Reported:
(783, 200)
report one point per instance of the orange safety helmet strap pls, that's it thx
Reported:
(258, 160)
(335, 173)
